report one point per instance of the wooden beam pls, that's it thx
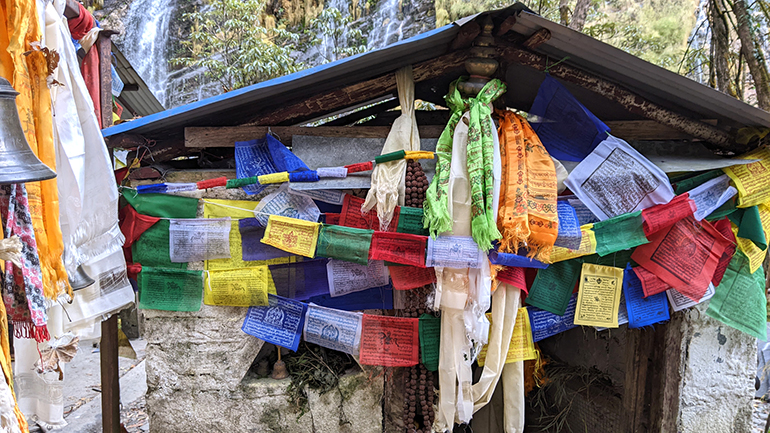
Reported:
(667, 380)
(629, 100)
(104, 45)
(108, 357)
(226, 136)
(639, 348)
(330, 101)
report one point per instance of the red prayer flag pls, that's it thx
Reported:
(515, 277)
(411, 277)
(403, 248)
(332, 218)
(361, 166)
(651, 284)
(389, 341)
(723, 227)
(352, 216)
(133, 224)
(685, 255)
(658, 217)
(211, 183)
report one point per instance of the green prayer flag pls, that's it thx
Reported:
(410, 221)
(430, 335)
(619, 233)
(170, 289)
(617, 259)
(162, 205)
(344, 243)
(722, 211)
(152, 248)
(553, 286)
(684, 185)
(739, 301)
(750, 226)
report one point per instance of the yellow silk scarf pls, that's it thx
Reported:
(527, 215)
(19, 27)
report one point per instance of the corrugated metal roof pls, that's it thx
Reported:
(659, 85)
(140, 101)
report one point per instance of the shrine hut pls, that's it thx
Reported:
(689, 373)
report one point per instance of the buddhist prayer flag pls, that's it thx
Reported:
(752, 179)
(237, 287)
(570, 235)
(410, 277)
(723, 226)
(199, 239)
(587, 246)
(454, 252)
(619, 233)
(553, 287)
(170, 289)
(430, 336)
(162, 205)
(515, 260)
(378, 298)
(684, 255)
(346, 277)
(679, 301)
(410, 221)
(521, 347)
(279, 323)
(599, 296)
(389, 341)
(402, 248)
(293, 235)
(288, 204)
(739, 301)
(300, 280)
(333, 329)
(253, 249)
(344, 243)
(152, 248)
(514, 277)
(264, 156)
(658, 217)
(546, 324)
(712, 194)
(641, 310)
(351, 215)
(651, 285)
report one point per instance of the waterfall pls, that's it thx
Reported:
(146, 42)
(388, 27)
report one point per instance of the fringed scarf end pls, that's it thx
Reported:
(484, 233)
(41, 334)
(23, 329)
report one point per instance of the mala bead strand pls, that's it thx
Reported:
(416, 184)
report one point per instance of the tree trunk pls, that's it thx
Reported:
(564, 12)
(579, 15)
(754, 61)
(719, 43)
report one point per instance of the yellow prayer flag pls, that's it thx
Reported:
(522, 347)
(266, 179)
(752, 179)
(418, 154)
(235, 209)
(599, 296)
(755, 255)
(587, 246)
(237, 287)
(291, 234)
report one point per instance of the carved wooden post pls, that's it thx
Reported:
(104, 45)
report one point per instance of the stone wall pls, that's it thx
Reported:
(197, 361)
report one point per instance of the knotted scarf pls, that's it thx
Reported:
(528, 212)
(23, 285)
(480, 164)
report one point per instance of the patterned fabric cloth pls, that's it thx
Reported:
(23, 286)
(528, 211)
(480, 162)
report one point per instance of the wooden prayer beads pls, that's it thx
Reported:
(416, 184)
(418, 381)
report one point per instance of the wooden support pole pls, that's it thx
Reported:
(104, 45)
(108, 356)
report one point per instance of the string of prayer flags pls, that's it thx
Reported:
(170, 289)
(679, 301)
(599, 296)
(410, 221)
(650, 283)
(235, 210)
(521, 347)
(430, 337)
(264, 156)
(267, 179)
(333, 329)
(152, 248)
(378, 298)
(545, 324)
(360, 166)
(293, 235)
(389, 341)
(286, 203)
(344, 243)
(515, 260)
(692, 182)
(199, 239)
(166, 188)
(739, 301)
(570, 235)
(620, 233)
(642, 311)
(133, 224)
(658, 217)
(252, 233)
(161, 205)
(402, 248)
(454, 252)
(329, 196)
(567, 129)
(211, 183)
(245, 287)
(332, 172)
(351, 215)
(346, 277)
(712, 194)
(301, 280)
(410, 277)
(279, 323)
(752, 179)
(514, 277)
(588, 246)
(724, 227)
(552, 288)
(616, 179)
(697, 241)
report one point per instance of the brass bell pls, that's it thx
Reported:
(79, 279)
(18, 163)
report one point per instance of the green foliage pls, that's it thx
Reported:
(344, 39)
(230, 40)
